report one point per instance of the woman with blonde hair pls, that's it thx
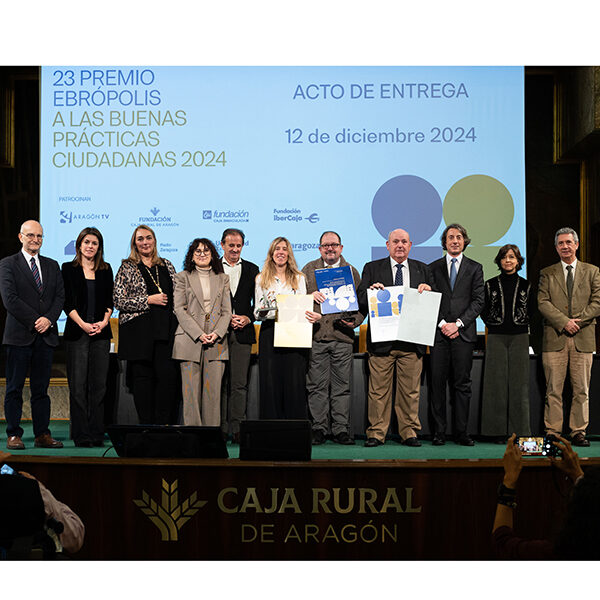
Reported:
(282, 371)
(143, 295)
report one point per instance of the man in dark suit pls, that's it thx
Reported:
(385, 357)
(32, 291)
(460, 280)
(241, 335)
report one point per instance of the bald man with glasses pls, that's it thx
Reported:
(32, 292)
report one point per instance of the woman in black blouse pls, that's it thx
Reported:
(507, 311)
(144, 297)
(88, 305)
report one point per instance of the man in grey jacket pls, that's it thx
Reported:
(330, 367)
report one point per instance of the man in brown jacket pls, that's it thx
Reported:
(331, 355)
(569, 300)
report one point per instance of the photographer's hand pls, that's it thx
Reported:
(512, 463)
(569, 464)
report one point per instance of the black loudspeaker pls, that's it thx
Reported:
(275, 440)
(167, 441)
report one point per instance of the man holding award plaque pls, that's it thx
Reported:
(385, 357)
(329, 373)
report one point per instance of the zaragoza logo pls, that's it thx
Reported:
(169, 516)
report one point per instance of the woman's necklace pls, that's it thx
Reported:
(154, 280)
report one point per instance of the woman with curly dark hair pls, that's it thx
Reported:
(203, 309)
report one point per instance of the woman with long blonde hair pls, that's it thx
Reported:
(282, 371)
(143, 295)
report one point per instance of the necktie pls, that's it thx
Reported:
(453, 272)
(570, 288)
(36, 274)
(399, 280)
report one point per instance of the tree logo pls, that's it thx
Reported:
(169, 516)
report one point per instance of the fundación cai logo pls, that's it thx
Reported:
(226, 216)
(169, 516)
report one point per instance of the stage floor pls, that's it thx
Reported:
(392, 450)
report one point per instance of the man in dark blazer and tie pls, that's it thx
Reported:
(405, 358)
(460, 280)
(241, 335)
(32, 291)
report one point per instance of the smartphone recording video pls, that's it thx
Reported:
(536, 446)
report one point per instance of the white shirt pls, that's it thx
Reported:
(264, 298)
(234, 272)
(36, 257)
(449, 262)
(564, 268)
(405, 271)
(335, 265)
(457, 266)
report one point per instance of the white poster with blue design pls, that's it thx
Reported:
(337, 285)
(402, 314)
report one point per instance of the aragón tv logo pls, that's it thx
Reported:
(68, 216)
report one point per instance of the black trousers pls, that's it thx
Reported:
(282, 378)
(37, 359)
(87, 368)
(155, 386)
(451, 361)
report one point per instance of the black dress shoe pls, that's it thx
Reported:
(318, 437)
(413, 442)
(344, 439)
(465, 440)
(579, 440)
(439, 439)
(373, 442)
(84, 444)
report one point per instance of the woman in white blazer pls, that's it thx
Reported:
(202, 305)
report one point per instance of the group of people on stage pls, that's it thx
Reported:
(188, 336)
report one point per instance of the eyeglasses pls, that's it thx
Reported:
(33, 236)
(332, 246)
(202, 252)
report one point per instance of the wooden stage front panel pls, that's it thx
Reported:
(233, 510)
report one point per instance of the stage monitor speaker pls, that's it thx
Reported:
(275, 440)
(167, 441)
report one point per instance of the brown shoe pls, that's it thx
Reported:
(15, 443)
(46, 441)
(579, 440)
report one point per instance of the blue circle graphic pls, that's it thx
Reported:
(407, 202)
(383, 295)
